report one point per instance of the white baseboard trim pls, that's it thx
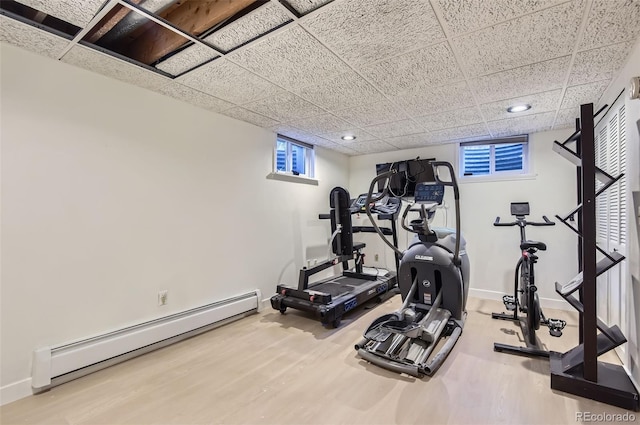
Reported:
(486, 294)
(15, 391)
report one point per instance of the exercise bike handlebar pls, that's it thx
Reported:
(524, 222)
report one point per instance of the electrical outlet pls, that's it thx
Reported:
(163, 297)
(375, 257)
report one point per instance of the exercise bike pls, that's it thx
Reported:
(433, 279)
(525, 297)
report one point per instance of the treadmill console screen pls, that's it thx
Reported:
(429, 193)
(385, 205)
(358, 204)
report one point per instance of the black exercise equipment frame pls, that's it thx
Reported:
(525, 272)
(311, 297)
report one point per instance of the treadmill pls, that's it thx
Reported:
(331, 298)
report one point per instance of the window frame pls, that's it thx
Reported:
(309, 158)
(493, 174)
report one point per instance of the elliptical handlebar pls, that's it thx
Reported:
(371, 199)
(403, 220)
(453, 183)
(456, 196)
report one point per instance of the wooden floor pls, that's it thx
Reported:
(275, 369)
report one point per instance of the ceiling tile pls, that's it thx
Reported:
(336, 136)
(393, 129)
(345, 150)
(522, 125)
(230, 82)
(535, 78)
(521, 41)
(291, 58)
(31, 38)
(248, 27)
(541, 102)
(567, 118)
(342, 92)
(284, 107)
(585, 93)
(110, 66)
(363, 31)
(194, 97)
(611, 22)
(77, 12)
(250, 117)
(411, 141)
(430, 66)
(320, 124)
(450, 119)
(373, 146)
(373, 113)
(467, 132)
(187, 59)
(465, 16)
(305, 6)
(437, 99)
(599, 64)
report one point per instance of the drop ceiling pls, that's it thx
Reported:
(395, 73)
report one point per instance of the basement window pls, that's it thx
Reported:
(293, 161)
(498, 157)
(294, 157)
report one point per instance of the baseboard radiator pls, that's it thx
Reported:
(55, 365)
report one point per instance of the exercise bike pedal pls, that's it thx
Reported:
(509, 302)
(555, 332)
(556, 326)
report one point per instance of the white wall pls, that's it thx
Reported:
(493, 252)
(111, 193)
(632, 107)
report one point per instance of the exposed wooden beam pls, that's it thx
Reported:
(192, 16)
(114, 16)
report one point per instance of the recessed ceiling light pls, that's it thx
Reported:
(518, 108)
(349, 137)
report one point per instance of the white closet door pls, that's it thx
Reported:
(611, 218)
(614, 219)
(623, 247)
(602, 220)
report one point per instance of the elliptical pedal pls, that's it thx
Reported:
(556, 326)
(509, 302)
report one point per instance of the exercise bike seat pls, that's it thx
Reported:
(526, 245)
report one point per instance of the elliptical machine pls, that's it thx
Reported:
(433, 279)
